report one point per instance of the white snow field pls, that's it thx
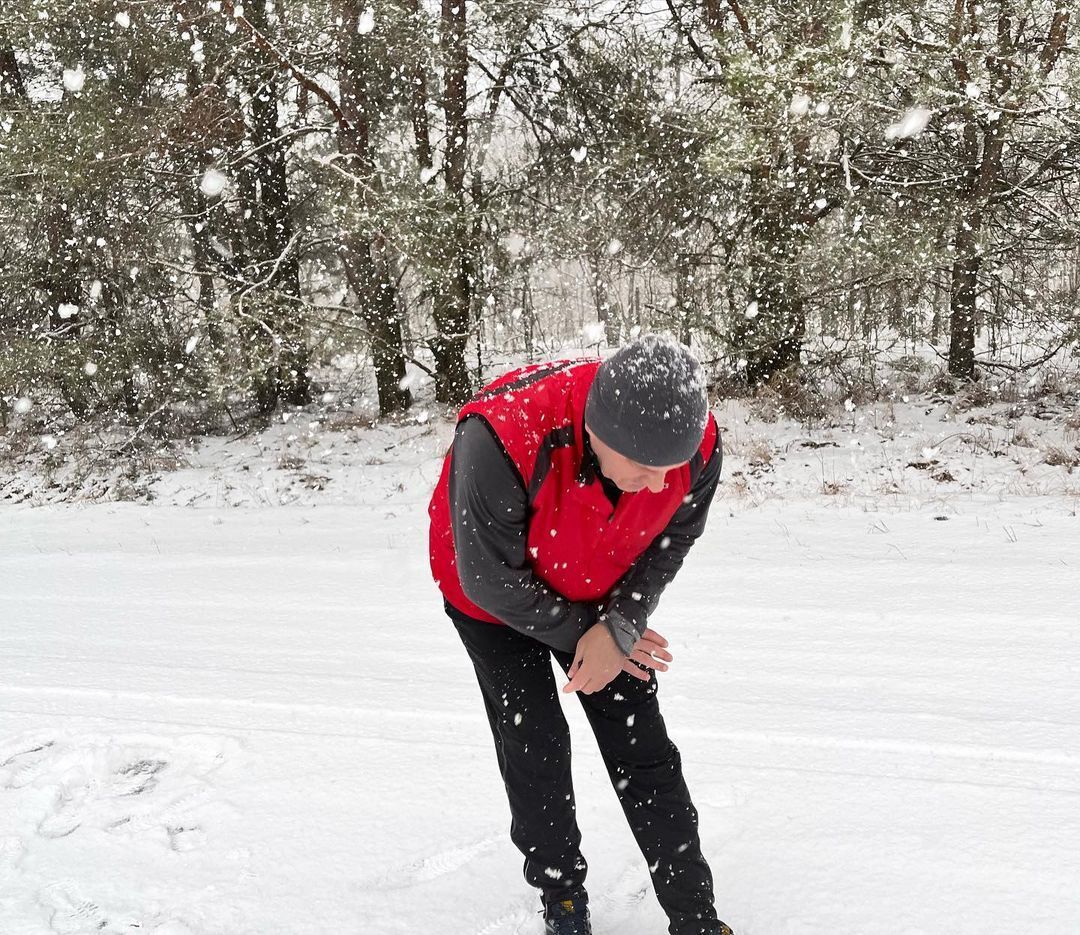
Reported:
(230, 720)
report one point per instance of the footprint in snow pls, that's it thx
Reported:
(170, 814)
(433, 866)
(126, 787)
(183, 838)
(12, 850)
(69, 912)
(87, 786)
(624, 897)
(517, 920)
(137, 777)
(22, 761)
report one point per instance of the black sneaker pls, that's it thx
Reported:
(568, 917)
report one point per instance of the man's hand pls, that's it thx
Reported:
(598, 659)
(651, 651)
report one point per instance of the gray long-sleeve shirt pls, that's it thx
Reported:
(490, 516)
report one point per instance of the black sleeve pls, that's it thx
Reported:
(626, 610)
(489, 518)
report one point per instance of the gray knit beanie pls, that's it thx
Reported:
(649, 402)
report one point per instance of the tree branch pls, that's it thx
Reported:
(744, 27)
(304, 80)
(684, 31)
(1055, 41)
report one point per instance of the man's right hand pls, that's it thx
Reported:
(649, 651)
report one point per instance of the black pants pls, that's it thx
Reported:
(532, 743)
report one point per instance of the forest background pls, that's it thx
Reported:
(210, 213)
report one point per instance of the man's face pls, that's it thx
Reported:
(627, 475)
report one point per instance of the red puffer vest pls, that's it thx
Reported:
(577, 544)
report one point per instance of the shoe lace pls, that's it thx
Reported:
(570, 925)
(568, 918)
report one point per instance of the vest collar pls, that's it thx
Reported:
(589, 471)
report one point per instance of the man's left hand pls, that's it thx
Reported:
(597, 661)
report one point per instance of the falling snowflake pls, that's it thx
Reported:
(213, 183)
(366, 23)
(799, 106)
(74, 79)
(593, 333)
(911, 124)
(514, 244)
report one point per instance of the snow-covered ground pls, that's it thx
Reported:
(239, 710)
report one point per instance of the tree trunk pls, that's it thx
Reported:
(287, 377)
(453, 294)
(196, 207)
(605, 311)
(965, 284)
(366, 258)
(60, 281)
(769, 335)
(450, 310)
(367, 270)
(11, 80)
(197, 218)
(419, 99)
(772, 341)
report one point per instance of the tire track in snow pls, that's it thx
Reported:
(934, 749)
(1046, 770)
